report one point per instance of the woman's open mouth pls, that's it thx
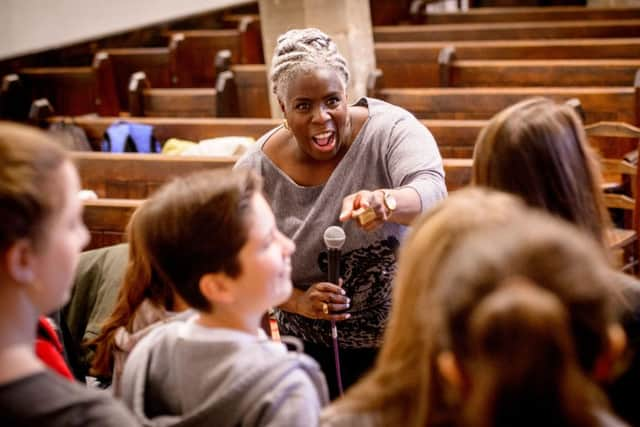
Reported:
(324, 141)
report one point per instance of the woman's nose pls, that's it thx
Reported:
(321, 114)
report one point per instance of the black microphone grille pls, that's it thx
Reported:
(334, 237)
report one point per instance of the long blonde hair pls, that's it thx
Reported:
(526, 308)
(402, 386)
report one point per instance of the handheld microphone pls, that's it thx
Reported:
(334, 238)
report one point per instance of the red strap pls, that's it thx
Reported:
(49, 349)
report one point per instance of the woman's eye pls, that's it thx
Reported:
(332, 102)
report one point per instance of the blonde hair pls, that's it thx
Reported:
(506, 289)
(404, 387)
(402, 384)
(302, 51)
(29, 160)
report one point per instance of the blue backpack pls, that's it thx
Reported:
(125, 137)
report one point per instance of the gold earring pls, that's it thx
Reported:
(285, 123)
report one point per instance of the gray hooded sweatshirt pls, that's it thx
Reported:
(184, 374)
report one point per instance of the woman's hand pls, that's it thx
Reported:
(319, 302)
(367, 208)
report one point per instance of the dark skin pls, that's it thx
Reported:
(322, 128)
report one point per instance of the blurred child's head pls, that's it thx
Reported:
(42, 232)
(537, 149)
(526, 314)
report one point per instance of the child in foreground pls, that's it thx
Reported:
(212, 237)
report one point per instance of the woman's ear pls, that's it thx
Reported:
(450, 369)
(217, 288)
(20, 262)
(604, 368)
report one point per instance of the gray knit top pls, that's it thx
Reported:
(392, 150)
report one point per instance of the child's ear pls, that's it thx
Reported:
(281, 104)
(605, 363)
(217, 288)
(450, 369)
(20, 262)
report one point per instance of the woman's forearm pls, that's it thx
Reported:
(408, 205)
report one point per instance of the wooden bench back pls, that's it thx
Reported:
(107, 219)
(136, 176)
(617, 144)
(528, 14)
(70, 90)
(244, 92)
(599, 103)
(194, 51)
(189, 128)
(415, 64)
(122, 63)
(509, 31)
(14, 102)
(455, 138)
(538, 72)
(146, 101)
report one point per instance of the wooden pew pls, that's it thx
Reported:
(385, 12)
(537, 72)
(455, 138)
(145, 101)
(120, 64)
(70, 90)
(457, 173)
(416, 64)
(249, 83)
(135, 175)
(624, 28)
(194, 51)
(107, 219)
(521, 14)
(189, 128)
(481, 103)
(245, 91)
(14, 103)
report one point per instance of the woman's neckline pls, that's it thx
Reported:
(357, 141)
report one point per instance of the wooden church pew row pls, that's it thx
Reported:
(119, 64)
(624, 28)
(481, 103)
(193, 52)
(528, 14)
(189, 128)
(416, 64)
(455, 138)
(107, 219)
(174, 102)
(536, 72)
(136, 175)
(70, 90)
(245, 91)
